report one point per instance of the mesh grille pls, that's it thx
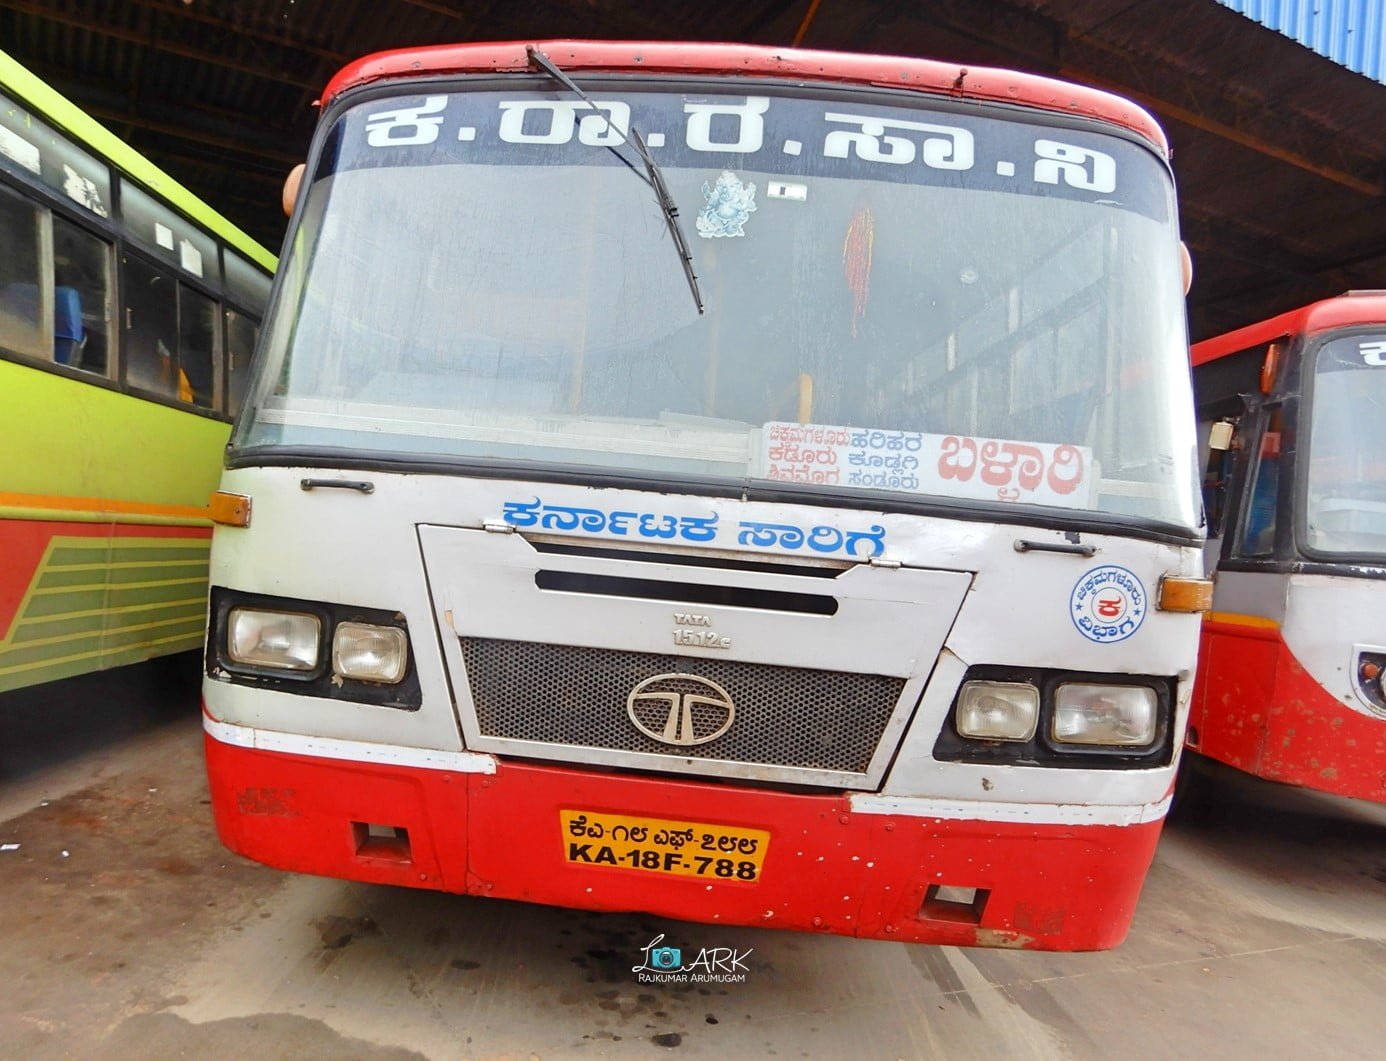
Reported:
(785, 716)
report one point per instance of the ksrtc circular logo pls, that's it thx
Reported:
(1108, 604)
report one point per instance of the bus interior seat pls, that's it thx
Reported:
(69, 334)
(21, 301)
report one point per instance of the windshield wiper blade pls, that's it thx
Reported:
(652, 175)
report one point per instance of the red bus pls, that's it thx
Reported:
(739, 484)
(1292, 419)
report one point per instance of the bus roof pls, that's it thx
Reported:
(919, 75)
(56, 109)
(1355, 307)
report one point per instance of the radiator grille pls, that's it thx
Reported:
(785, 716)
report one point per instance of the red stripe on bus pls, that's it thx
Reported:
(24, 542)
(972, 83)
(1341, 312)
(1257, 709)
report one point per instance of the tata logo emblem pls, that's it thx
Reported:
(680, 709)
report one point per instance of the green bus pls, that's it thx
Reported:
(128, 313)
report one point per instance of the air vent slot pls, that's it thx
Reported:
(685, 592)
(829, 569)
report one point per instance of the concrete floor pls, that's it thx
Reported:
(129, 932)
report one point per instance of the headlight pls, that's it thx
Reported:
(370, 653)
(998, 710)
(1123, 715)
(282, 640)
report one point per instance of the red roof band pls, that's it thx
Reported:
(1356, 307)
(919, 75)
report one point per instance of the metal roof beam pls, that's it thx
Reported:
(247, 147)
(439, 9)
(188, 12)
(1274, 132)
(154, 42)
(1044, 42)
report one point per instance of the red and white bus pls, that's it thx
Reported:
(1294, 440)
(739, 484)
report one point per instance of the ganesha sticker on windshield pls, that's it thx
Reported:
(729, 204)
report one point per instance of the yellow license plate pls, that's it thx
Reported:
(686, 849)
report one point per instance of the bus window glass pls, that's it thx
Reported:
(31, 149)
(949, 327)
(23, 317)
(81, 298)
(167, 234)
(245, 284)
(1346, 493)
(151, 331)
(241, 332)
(197, 328)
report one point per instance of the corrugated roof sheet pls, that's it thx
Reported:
(1350, 32)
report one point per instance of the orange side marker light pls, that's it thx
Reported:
(230, 510)
(1185, 594)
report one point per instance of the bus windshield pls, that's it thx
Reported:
(1346, 495)
(907, 301)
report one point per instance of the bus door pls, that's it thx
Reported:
(1246, 433)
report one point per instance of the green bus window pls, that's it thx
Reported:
(81, 298)
(151, 331)
(241, 332)
(245, 283)
(25, 305)
(197, 353)
(32, 150)
(168, 235)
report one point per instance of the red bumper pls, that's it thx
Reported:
(1256, 708)
(826, 869)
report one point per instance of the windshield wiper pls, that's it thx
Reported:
(652, 175)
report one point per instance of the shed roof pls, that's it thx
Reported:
(1277, 150)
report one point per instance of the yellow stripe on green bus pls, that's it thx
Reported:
(145, 610)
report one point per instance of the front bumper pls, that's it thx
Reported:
(494, 830)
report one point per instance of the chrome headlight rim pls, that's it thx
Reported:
(1134, 745)
(998, 689)
(382, 631)
(227, 659)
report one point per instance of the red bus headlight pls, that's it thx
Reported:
(998, 710)
(370, 653)
(1111, 715)
(280, 640)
